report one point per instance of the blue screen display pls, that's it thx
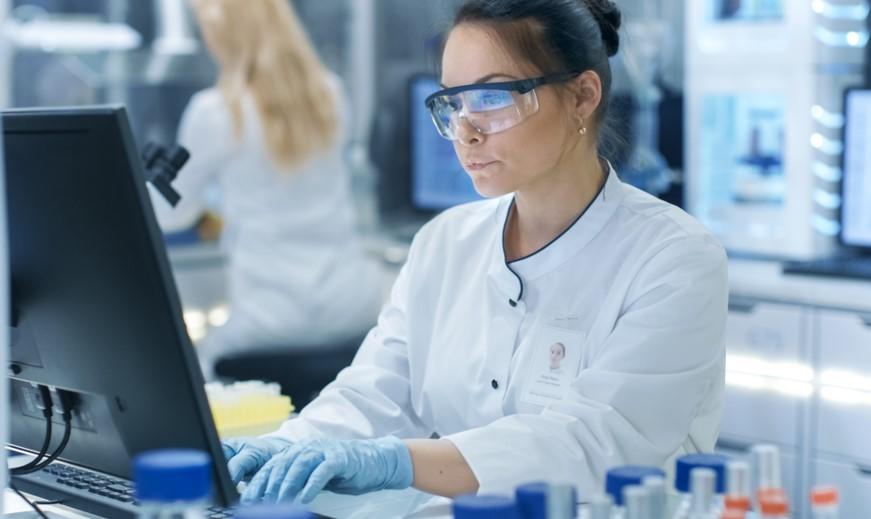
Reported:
(856, 211)
(438, 180)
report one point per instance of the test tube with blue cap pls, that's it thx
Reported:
(620, 477)
(485, 507)
(682, 481)
(172, 483)
(541, 500)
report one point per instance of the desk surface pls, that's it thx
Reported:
(765, 280)
(390, 504)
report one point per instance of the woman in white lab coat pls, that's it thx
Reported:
(453, 391)
(271, 136)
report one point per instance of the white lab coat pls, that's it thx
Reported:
(297, 274)
(636, 291)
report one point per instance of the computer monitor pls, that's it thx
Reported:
(94, 305)
(438, 180)
(856, 182)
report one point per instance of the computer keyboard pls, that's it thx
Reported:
(844, 267)
(93, 492)
(90, 491)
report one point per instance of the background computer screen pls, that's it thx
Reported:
(438, 180)
(856, 210)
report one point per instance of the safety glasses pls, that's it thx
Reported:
(488, 107)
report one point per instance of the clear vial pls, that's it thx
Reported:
(620, 477)
(765, 461)
(655, 486)
(702, 504)
(683, 480)
(600, 507)
(737, 486)
(636, 500)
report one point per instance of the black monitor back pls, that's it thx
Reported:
(94, 307)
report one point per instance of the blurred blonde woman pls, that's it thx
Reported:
(271, 134)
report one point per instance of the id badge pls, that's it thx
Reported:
(554, 365)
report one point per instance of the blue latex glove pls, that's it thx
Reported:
(245, 456)
(355, 467)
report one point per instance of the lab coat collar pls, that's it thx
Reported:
(509, 276)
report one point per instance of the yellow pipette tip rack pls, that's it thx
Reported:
(247, 408)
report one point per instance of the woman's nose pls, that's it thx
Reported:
(467, 133)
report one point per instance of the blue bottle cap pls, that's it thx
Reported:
(685, 465)
(286, 511)
(485, 507)
(170, 475)
(620, 477)
(532, 500)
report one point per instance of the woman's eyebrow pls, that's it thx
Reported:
(486, 78)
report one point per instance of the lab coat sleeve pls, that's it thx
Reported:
(372, 397)
(206, 132)
(643, 387)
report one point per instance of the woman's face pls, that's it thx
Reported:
(508, 161)
(557, 354)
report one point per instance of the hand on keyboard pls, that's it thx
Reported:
(245, 456)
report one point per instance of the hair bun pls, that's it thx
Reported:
(610, 19)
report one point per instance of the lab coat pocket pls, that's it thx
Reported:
(554, 363)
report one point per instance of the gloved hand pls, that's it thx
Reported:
(245, 456)
(343, 466)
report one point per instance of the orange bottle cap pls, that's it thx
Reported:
(824, 495)
(773, 504)
(736, 503)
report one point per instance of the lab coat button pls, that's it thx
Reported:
(494, 383)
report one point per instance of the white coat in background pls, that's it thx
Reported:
(636, 291)
(297, 274)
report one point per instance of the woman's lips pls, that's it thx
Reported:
(477, 166)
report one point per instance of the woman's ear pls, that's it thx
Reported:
(587, 95)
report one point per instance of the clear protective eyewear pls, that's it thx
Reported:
(487, 107)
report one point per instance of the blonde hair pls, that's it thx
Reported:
(262, 49)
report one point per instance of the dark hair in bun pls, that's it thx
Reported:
(554, 35)
(608, 15)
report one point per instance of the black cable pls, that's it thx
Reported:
(66, 401)
(44, 402)
(29, 502)
(46, 503)
(68, 428)
(42, 452)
